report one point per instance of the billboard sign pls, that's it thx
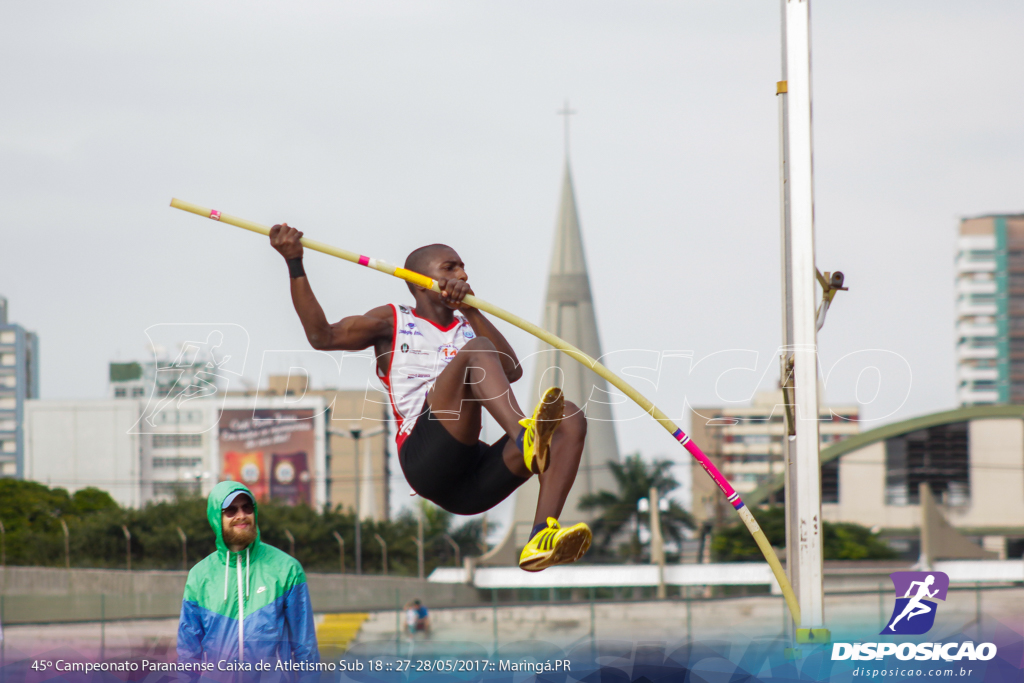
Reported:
(270, 451)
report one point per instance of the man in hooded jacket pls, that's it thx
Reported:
(248, 601)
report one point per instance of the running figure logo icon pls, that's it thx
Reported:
(915, 608)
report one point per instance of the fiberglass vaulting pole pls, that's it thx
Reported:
(799, 361)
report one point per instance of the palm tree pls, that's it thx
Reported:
(634, 477)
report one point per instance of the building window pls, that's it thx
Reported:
(161, 462)
(8, 359)
(10, 446)
(938, 456)
(138, 391)
(177, 440)
(9, 381)
(175, 488)
(120, 392)
(830, 481)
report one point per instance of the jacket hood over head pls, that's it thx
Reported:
(214, 515)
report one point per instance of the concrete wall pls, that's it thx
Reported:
(861, 487)
(75, 444)
(996, 477)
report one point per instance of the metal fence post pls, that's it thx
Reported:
(103, 625)
(881, 605)
(494, 618)
(785, 614)
(689, 617)
(977, 606)
(593, 629)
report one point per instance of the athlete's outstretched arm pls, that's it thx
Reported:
(354, 333)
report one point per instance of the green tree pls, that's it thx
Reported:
(841, 541)
(32, 512)
(438, 523)
(618, 511)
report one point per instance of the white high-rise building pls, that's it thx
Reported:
(19, 382)
(990, 310)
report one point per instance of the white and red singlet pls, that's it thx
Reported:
(421, 349)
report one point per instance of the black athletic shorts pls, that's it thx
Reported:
(462, 479)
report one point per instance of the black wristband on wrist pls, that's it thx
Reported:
(295, 268)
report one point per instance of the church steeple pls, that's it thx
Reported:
(568, 313)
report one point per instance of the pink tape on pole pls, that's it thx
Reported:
(215, 214)
(709, 467)
(364, 260)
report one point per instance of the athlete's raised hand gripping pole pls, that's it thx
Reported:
(620, 384)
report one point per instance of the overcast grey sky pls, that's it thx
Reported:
(380, 126)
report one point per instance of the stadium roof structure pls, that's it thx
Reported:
(889, 431)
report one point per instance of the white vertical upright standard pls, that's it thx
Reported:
(803, 475)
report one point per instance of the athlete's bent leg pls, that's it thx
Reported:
(474, 379)
(566, 451)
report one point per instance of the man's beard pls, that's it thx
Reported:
(239, 537)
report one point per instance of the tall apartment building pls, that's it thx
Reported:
(19, 381)
(162, 378)
(745, 443)
(990, 310)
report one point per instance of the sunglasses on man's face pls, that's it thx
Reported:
(232, 510)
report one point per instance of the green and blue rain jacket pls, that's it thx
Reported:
(247, 606)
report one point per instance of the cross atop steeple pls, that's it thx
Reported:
(566, 112)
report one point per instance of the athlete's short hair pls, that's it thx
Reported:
(416, 260)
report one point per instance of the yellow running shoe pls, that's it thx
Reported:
(555, 545)
(540, 428)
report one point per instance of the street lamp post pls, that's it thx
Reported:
(455, 547)
(419, 544)
(658, 505)
(184, 549)
(128, 545)
(355, 435)
(341, 547)
(359, 519)
(291, 542)
(384, 552)
(67, 544)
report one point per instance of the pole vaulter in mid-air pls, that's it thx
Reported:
(454, 301)
(443, 363)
